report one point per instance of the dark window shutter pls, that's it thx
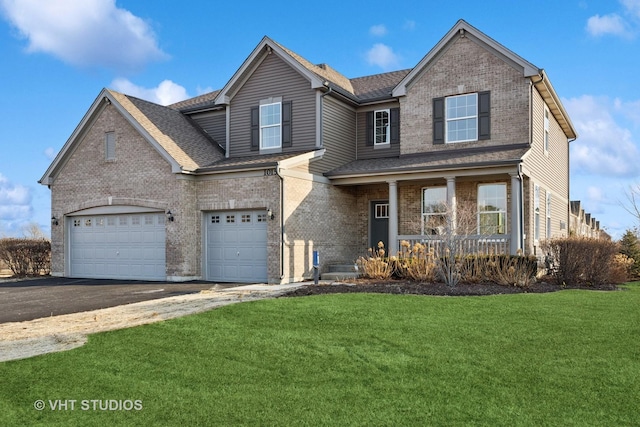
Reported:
(438, 120)
(255, 128)
(484, 115)
(395, 125)
(286, 124)
(370, 130)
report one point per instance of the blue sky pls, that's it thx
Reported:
(57, 56)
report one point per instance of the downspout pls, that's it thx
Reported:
(521, 237)
(282, 242)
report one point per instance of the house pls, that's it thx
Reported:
(243, 184)
(582, 224)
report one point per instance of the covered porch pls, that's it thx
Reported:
(446, 201)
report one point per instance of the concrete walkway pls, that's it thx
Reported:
(19, 340)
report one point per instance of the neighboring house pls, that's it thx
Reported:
(244, 183)
(582, 224)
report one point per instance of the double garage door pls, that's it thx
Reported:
(236, 246)
(123, 246)
(132, 246)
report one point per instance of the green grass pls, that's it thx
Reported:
(560, 359)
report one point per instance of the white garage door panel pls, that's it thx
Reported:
(124, 246)
(236, 246)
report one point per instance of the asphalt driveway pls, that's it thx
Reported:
(33, 299)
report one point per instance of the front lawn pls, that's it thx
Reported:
(558, 359)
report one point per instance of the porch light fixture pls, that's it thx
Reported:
(54, 220)
(169, 216)
(270, 214)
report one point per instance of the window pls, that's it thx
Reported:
(462, 118)
(231, 219)
(215, 219)
(246, 218)
(382, 127)
(492, 209)
(110, 146)
(546, 130)
(434, 210)
(536, 210)
(548, 215)
(382, 210)
(270, 125)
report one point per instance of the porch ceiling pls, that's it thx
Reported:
(455, 162)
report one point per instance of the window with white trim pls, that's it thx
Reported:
(548, 214)
(492, 209)
(546, 130)
(536, 210)
(271, 125)
(382, 127)
(461, 118)
(382, 210)
(434, 210)
(110, 146)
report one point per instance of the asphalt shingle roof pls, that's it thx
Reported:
(178, 136)
(444, 159)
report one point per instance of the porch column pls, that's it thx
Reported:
(516, 214)
(392, 248)
(451, 202)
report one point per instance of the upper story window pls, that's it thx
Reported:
(434, 210)
(110, 146)
(462, 118)
(382, 127)
(492, 209)
(546, 130)
(270, 125)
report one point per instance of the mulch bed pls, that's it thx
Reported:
(415, 288)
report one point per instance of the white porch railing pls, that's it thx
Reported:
(497, 244)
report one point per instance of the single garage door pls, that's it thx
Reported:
(237, 246)
(123, 246)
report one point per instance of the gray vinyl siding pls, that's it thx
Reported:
(339, 135)
(369, 151)
(273, 78)
(214, 124)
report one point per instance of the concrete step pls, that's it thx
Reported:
(338, 268)
(339, 275)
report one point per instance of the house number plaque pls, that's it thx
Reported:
(269, 172)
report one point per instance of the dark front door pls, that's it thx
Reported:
(379, 232)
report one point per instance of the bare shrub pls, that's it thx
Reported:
(415, 263)
(375, 265)
(26, 257)
(582, 261)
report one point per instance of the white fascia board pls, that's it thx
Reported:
(292, 162)
(253, 61)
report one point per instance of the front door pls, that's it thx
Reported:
(379, 232)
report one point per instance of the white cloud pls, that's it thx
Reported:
(382, 56)
(608, 24)
(604, 147)
(85, 33)
(378, 30)
(165, 93)
(632, 6)
(15, 206)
